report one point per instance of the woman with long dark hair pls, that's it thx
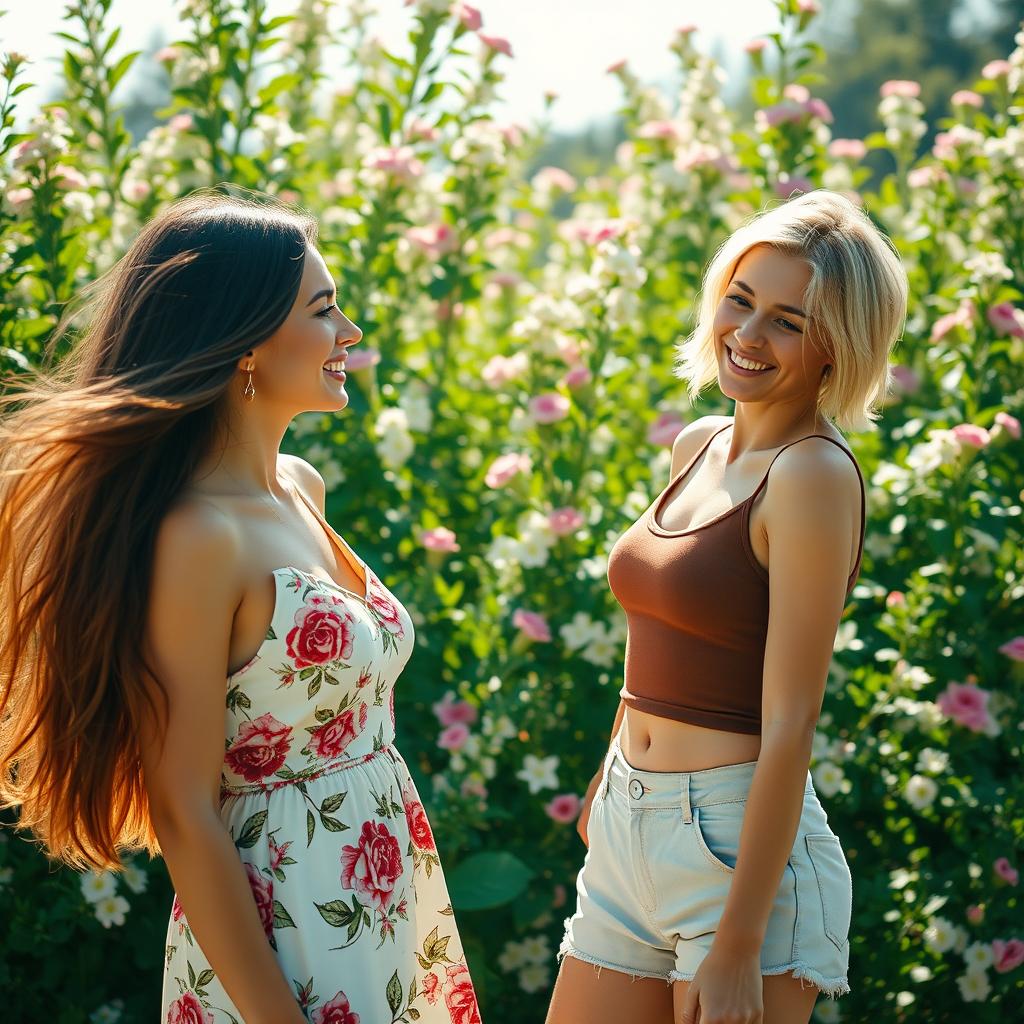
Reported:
(192, 661)
(713, 887)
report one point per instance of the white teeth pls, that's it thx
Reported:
(334, 367)
(746, 363)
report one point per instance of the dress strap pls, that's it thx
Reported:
(354, 561)
(860, 477)
(703, 448)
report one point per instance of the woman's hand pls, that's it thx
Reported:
(588, 799)
(726, 988)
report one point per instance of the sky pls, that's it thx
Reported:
(559, 45)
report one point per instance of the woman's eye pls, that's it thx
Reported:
(325, 312)
(785, 323)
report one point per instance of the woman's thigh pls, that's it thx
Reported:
(599, 995)
(786, 1001)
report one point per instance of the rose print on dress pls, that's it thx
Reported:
(322, 632)
(372, 867)
(385, 611)
(459, 995)
(336, 1011)
(188, 1010)
(259, 749)
(328, 741)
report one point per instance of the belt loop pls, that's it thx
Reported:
(687, 810)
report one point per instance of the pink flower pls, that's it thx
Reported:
(277, 853)
(756, 45)
(434, 239)
(785, 189)
(659, 130)
(905, 380)
(167, 54)
(971, 434)
(967, 98)
(1007, 955)
(263, 894)
(450, 711)
(399, 161)
(187, 1009)
(323, 632)
(900, 87)
(439, 539)
(996, 69)
(975, 913)
(496, 44)
(1006, 871)
(549, 407)
(614, 69)
(554, 179)
(1004, 421)
(1006, 318)
(454, 737)
(459, 996)
(431, 987)
(966, 704)
(895, 599)
(818, 108)
(20, 199)
(470, 17)
(329, 740)
(260, 748)
(577, 377)
(779, 113)
(336, 1011)
(532, 625)
(665, 428)
(361, 359)
(180, 123)
(564, 808)
(372, 867)
(506, 278)
(686, 30)
(847, 149)
(501, 369)
(1013, 648)
(564, 520)
(796, 92)
(962, 316)
(558, 895)
(505, 467)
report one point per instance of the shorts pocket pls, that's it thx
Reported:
(835, 884)
(717, 830)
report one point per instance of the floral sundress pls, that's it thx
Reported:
(327, 821)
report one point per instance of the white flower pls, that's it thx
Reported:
(536, 948)
(135, 878)
(98, 886)
(920, 791)
(940, 935)
(828, 777)
(534, 977)
(578, 632)
(974, 986)
(111, 910)
(978, 956)
(603, 649)
(921, 973)
(512, 957)
(539, 772)
(932, 761)
(109, 1013)
(6, 874)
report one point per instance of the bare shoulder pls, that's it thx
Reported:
(690, 439)
(306, 477)
(816, 475)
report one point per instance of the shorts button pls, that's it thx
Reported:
(636, 789)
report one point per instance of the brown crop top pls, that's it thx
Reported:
(696, 604)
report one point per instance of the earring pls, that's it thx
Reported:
(250, 391)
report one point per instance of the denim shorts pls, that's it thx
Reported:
(662, 851)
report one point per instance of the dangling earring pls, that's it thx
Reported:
(250, 391)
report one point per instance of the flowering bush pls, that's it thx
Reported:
(512, 412)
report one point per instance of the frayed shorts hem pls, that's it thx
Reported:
(831, 987)
(578, 954)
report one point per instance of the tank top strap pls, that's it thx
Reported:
(700, 451)
(860, 477)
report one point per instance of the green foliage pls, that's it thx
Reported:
(448, 257)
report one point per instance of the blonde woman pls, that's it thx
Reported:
(194, 662)
(713, 888)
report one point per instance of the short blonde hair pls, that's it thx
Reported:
(856, 300)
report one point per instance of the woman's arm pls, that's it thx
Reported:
(193, 597)
(811, 515)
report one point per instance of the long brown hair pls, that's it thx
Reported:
(91, 458)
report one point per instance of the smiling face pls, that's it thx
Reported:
(289, 367)
(761, 318)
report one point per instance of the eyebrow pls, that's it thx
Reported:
(789, 309)
(324, 293)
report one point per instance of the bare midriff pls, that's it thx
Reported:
(655, 744)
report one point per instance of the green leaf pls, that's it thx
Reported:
(251, 830)
(486, 880)
(384, 110)
(336, 913)
(310, 825)
(332, 803)
(119, 69)
(394, 993)
(282, 919)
